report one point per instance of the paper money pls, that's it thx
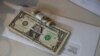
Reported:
(50, 37)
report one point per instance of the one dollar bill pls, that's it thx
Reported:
(50, 37)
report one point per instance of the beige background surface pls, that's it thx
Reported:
(68, 9)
